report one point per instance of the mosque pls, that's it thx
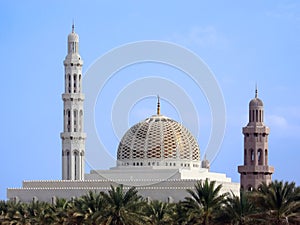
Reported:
(158, 155)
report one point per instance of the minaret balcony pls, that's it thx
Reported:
(70, 96)
(256, 129)
(255, 169)
(73, 135)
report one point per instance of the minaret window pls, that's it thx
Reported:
(68, 165)
(74, 81)
(252, 156)
(259, 156)
(256, 119)
(80, 120)
(76, 159)
(75, 120)
(69, 83)
(69, 120)
(79, 83)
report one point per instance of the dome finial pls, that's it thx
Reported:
(256, 92)
(158, 105)
(73, 26)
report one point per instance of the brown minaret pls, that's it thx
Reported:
(255, 169)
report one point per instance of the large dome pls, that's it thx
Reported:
(158, 141)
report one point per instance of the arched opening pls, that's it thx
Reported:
(80, 121)
(79, 83)
(68, 120)
(260, 157)
(250, 116)
(256, 116)
(75, 82)
(252, 156)
(266, 157)
(76, 165)
(69, 83)
(245, 157)
(75, 120)
(68, 165)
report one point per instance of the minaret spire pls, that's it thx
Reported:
(256, 92)
(73, 26)
(158, 105)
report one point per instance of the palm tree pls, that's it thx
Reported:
(121, 207)
(40, 213)
(91, 204)
(238, 210)
(279, 202)
(205, 202)
(180, 214)
(60, 208)
(159, 213)
(15, 213)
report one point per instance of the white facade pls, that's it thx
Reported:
(158, 155)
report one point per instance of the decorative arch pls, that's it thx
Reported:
(75, 114)
(76, 164)
(250, 188)
(80, 120)
(260, 157)
(68, 120)
(67, 152)
(74, 82)
(266, 156)
(252, 156)
(69, 83)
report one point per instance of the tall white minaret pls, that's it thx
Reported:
(73, 136)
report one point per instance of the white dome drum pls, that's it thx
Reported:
(158, 141)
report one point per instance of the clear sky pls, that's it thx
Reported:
(242, 42)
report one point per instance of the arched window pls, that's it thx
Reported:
(76, 164)
(256, 118)
(79, 83)
(259, 156)
(80, 121)
(252, 156)
(75, 82)
(69, 83)
(75, 120)
(69, 120)
(245, 157)
(68, 165)
(266, 157)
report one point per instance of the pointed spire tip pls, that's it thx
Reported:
(158, 105)
(73, 26)
(256, 92)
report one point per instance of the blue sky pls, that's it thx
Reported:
(241, 42)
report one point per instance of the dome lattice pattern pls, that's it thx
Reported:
(158, 138)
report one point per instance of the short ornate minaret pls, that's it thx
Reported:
(255, 169)
(73, 136)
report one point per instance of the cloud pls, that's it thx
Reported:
(285, 11)
(277, 121)
(201, 37)
(282, 127)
